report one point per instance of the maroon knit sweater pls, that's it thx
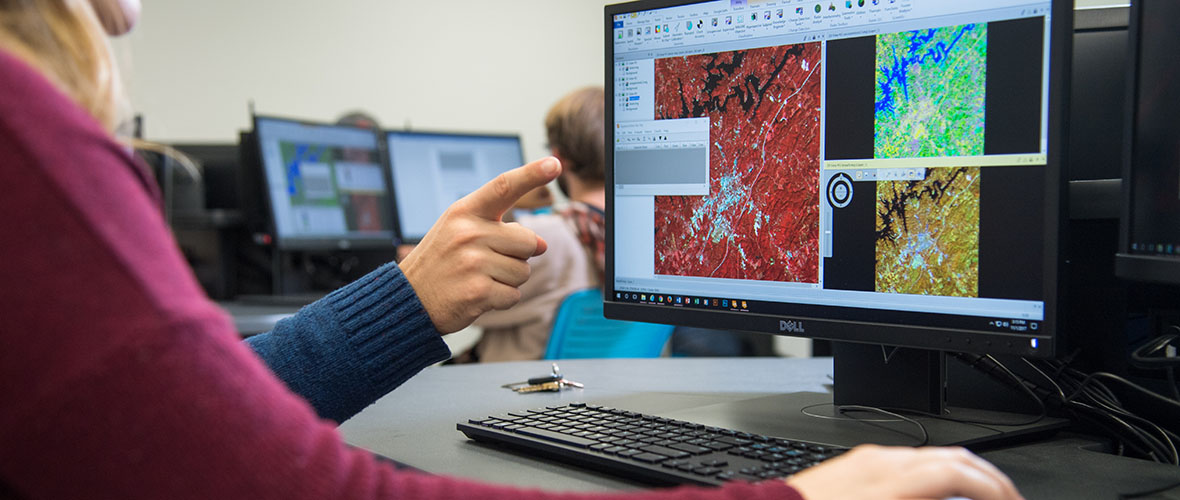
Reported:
(118, 377)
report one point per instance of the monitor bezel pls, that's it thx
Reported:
(1135, 266)
(289, 243)
(895, 334)
(385, 135)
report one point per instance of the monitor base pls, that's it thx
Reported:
(812, 416)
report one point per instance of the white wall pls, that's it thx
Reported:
(465, 65)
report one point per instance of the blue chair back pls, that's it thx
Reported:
(580, 331)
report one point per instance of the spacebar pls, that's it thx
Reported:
(555, 436)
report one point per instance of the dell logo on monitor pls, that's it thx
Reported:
(791, 326)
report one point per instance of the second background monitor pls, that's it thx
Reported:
(431, 170)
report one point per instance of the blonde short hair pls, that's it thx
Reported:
(65, 41)
(576, 133)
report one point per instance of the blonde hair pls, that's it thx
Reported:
(575, 130)
(65, 41)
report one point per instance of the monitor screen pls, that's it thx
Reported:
(326, 185)
(1151, 231)
(432, 170)
(871, 171)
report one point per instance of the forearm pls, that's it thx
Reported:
(350, 348)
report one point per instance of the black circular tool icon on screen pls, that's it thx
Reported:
(840, 190)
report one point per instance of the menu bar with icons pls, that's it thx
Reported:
(735, 20)
(663, 134)
(890, 174)
(661, 299)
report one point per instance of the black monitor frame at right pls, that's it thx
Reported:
(1149, 241)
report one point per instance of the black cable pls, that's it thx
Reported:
(925, 435)
(1145, 437)
(1122, 443)
(1152, 450)
(1092, 400)
(1130, 384)
(989, 365)
(1113, 406)
(1162, 450)
(841, 409)
(1060, 392)
(1021, 382)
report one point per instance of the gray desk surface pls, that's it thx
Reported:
(252, 319)
(416, 423)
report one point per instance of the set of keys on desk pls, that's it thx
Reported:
(553, 382)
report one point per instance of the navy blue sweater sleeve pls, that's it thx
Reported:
(348, 349)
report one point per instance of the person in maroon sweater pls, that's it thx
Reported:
(121, 380)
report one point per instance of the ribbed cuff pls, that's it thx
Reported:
(386, 327)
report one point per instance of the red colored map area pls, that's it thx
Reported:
(760, 220)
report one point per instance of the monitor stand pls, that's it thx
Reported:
(911, 379)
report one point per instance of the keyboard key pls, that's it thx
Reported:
(695, 450)
(706, 471)
(649, 457)
(718, 445)
(736, 441)
(667, 452)
(555, 437)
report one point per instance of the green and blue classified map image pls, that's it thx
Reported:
(930, 92)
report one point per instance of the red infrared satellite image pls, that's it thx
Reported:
(760, 220)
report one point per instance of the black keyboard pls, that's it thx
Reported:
(647, 448)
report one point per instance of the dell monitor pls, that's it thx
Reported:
(326, 185)
(881, 173)
(432, 170)
(1150, 240)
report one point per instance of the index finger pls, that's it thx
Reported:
(491, 200)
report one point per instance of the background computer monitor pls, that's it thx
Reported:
(1150, 242)
(1098, 89)
(874, 172)
(326, 185)
(431, 170)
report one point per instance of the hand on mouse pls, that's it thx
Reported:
(871, 471)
